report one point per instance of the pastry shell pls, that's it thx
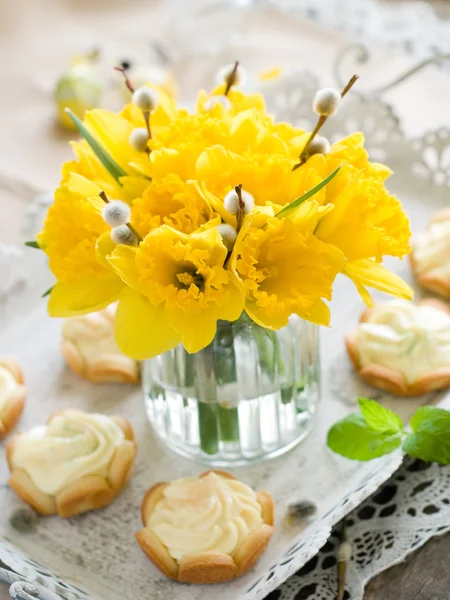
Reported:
(392, 381)
(87, 493)
(206, 567)
(107, 367)
(12, 411)
(432, 281)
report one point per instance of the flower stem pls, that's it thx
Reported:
(205, 384)
(225, 372)
(228, 423)
(207, 425)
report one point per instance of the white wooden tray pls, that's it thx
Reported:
(96, 552)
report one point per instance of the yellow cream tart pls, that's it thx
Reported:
(403, 347)
(90, 349)
(205, 529)
(76, 462)
(12, 395)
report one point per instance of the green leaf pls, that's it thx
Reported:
(354, 438)
(380, 418)
(430, 439)
(47, 293)
(312, 192)
(107, 161)
(32, 244)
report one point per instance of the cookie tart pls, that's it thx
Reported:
(12, 395)
(75, 463)
(205, 529)
(403, 347)
(430, 255)
(91, 351)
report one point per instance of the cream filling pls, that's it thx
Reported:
(208, 514)
(92, 335)
(72, 445)
(412, 340)
(8, 386)
(431, 250)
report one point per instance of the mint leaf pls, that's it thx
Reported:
(430, 439)
(354, 438)
(380, 418)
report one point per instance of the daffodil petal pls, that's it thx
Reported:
(97, 203)
(196, 330)
(233, 307)
(104, 248)
(318, 313)
(83, 296)
(261, 317)
(123, 261)
(77, 184)
(372, 274)
(141, 329)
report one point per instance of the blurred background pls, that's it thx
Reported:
(184, 42)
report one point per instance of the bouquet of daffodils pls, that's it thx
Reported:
(187, 218)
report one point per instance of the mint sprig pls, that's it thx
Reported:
(430, 439)
(377, 431)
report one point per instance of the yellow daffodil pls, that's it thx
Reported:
(176, 278)
(69, 239)
(366, 224)
(283, 269)
(178, 289)
(170, 201)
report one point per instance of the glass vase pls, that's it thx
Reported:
(250, 395)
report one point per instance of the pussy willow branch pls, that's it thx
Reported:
(126, 78)
(130, 86)
(231, 79)
(321, 122)
(241, 208)
(105, 199)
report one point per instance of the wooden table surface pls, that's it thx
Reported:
(31, 40)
